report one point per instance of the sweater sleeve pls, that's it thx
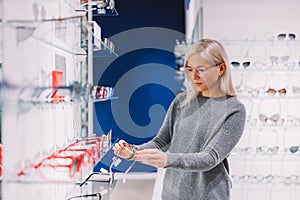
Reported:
(163, 138)
(218, 148)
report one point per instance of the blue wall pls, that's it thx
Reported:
(144, 34)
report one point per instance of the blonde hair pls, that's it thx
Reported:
(214, 52)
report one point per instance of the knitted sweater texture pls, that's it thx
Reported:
(198, 138)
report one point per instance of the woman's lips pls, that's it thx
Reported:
(198, 84)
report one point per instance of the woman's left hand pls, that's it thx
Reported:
(153, 157)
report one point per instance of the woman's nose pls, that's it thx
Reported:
(195, 74)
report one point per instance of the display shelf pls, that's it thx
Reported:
(102, 47)
(109, 175)
(74, 93)
(287, 97)
(51, 102)
(58, 44)
(98, 7)
(274, 42)
(105, 12)
(77, 6)
(265, 180)
(101, 100)
(269, 69)
(80, 157)
(271, 126)
(107, 8)
(53, 32)
(276, 157)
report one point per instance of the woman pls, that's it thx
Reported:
(201, 127)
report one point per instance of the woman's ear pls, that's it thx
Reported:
(222, 68)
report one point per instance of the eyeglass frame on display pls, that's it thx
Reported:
(60, 151)
(264, 149)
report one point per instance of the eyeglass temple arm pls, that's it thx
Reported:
(88, 178)
(87, 195)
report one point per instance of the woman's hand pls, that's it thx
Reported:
(153, 157)
(123, 150)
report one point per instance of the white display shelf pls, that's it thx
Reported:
(102, 47)
(266, 70)
(287, 97)
(53, 32)
(252, 42)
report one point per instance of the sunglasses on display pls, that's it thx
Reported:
(247, 150)
(252, 178)
(260, 178)
(266, 179)
(292, 120)
(282, 61)
(296, 90)
(275, 59)
(254, 92)
(274, 119)
(292, 149)
(283, 36)
(236, 64)
(273, 92)
(290, 179)
(264, 149)
(241, 178)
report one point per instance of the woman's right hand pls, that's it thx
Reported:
(123, 149)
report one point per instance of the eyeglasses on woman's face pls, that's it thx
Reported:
(199, 69)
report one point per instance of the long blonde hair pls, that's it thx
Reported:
(214, 52)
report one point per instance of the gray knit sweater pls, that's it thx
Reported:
(198, 138)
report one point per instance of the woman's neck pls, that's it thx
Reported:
(213, 93)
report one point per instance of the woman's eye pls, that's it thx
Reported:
(189, 69)
(201, 69)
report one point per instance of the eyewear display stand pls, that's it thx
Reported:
(264, 161)
(50, 148)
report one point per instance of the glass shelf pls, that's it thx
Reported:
(36, 172)
(246, 187)
(270, 69)
(258, 155)
(262, 42)
(270, 126)
(77, 7)
(27, 97)
(52, 32)
(101, 47)
(101, 100)
(51, 102)
(104, 53)
(268, 97)
(108, 174)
